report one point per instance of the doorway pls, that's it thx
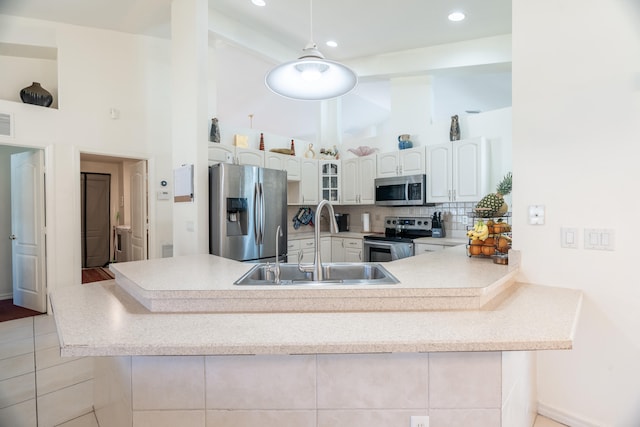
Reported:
(114, 212)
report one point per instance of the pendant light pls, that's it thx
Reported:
(311, 77)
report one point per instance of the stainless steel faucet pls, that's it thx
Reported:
(316, 268)
(276, 267)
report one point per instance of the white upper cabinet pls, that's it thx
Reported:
(330, 171)
(401, 163)
(305, 191)
(250, 156)
(290, 164)
(458, 171)
(358, 175)
(219, 153)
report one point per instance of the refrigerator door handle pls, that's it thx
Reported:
(256, 213)
(262, 214)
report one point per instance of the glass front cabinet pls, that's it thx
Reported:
(330, 180)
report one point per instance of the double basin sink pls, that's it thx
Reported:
(334, 273)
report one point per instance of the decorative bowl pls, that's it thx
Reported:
(363, 150)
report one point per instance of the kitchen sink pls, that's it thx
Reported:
(363, 273)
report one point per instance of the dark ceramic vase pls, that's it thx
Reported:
(36, 95)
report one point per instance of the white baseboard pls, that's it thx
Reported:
(564, 417)
(6, 296)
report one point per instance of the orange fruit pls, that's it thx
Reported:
(475, 249)
(488, 250)
(503, 245)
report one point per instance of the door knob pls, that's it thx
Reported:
(12, 237)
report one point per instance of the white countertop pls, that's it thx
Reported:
(100, 319)
(446, 279)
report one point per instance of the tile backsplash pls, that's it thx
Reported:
(454, 216)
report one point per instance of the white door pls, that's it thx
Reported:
(28, 230)
(138, 182)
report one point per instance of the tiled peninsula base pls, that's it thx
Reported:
(480, 389)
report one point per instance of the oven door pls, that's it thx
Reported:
(380, 251)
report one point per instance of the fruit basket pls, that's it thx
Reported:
(489, 237)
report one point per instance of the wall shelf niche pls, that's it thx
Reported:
(28, 64)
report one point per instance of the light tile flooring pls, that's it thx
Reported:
(544, 422)
(88, 420)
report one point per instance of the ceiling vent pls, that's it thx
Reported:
(6, 122)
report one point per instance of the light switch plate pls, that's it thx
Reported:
(599, 239)
(536, 214)
(569, 237)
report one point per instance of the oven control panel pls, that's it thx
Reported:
(408, 224)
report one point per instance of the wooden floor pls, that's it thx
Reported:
(8, 311)
(96, 274)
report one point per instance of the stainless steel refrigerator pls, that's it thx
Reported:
(246, 205)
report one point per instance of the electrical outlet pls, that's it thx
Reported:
(419, 421)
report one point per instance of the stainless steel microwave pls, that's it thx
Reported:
(410, 190)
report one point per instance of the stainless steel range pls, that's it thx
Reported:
(397, 242)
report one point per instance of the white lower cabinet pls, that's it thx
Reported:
(293, 249)
(308, 248)
(345, 249)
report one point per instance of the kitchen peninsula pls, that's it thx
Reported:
(442, 362)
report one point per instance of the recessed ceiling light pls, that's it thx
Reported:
(259, 2)
(332, 43)
(456, 16)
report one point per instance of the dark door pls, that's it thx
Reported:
(96, 224)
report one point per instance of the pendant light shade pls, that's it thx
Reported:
(311, 77)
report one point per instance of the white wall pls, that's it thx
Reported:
(576, 103)
(97, 70)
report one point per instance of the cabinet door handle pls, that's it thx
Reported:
(360, 255)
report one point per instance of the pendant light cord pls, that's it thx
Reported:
(311, 42)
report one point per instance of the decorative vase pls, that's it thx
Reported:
(454, 132)
(214, 133)
(404, 141)
(36, 95)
